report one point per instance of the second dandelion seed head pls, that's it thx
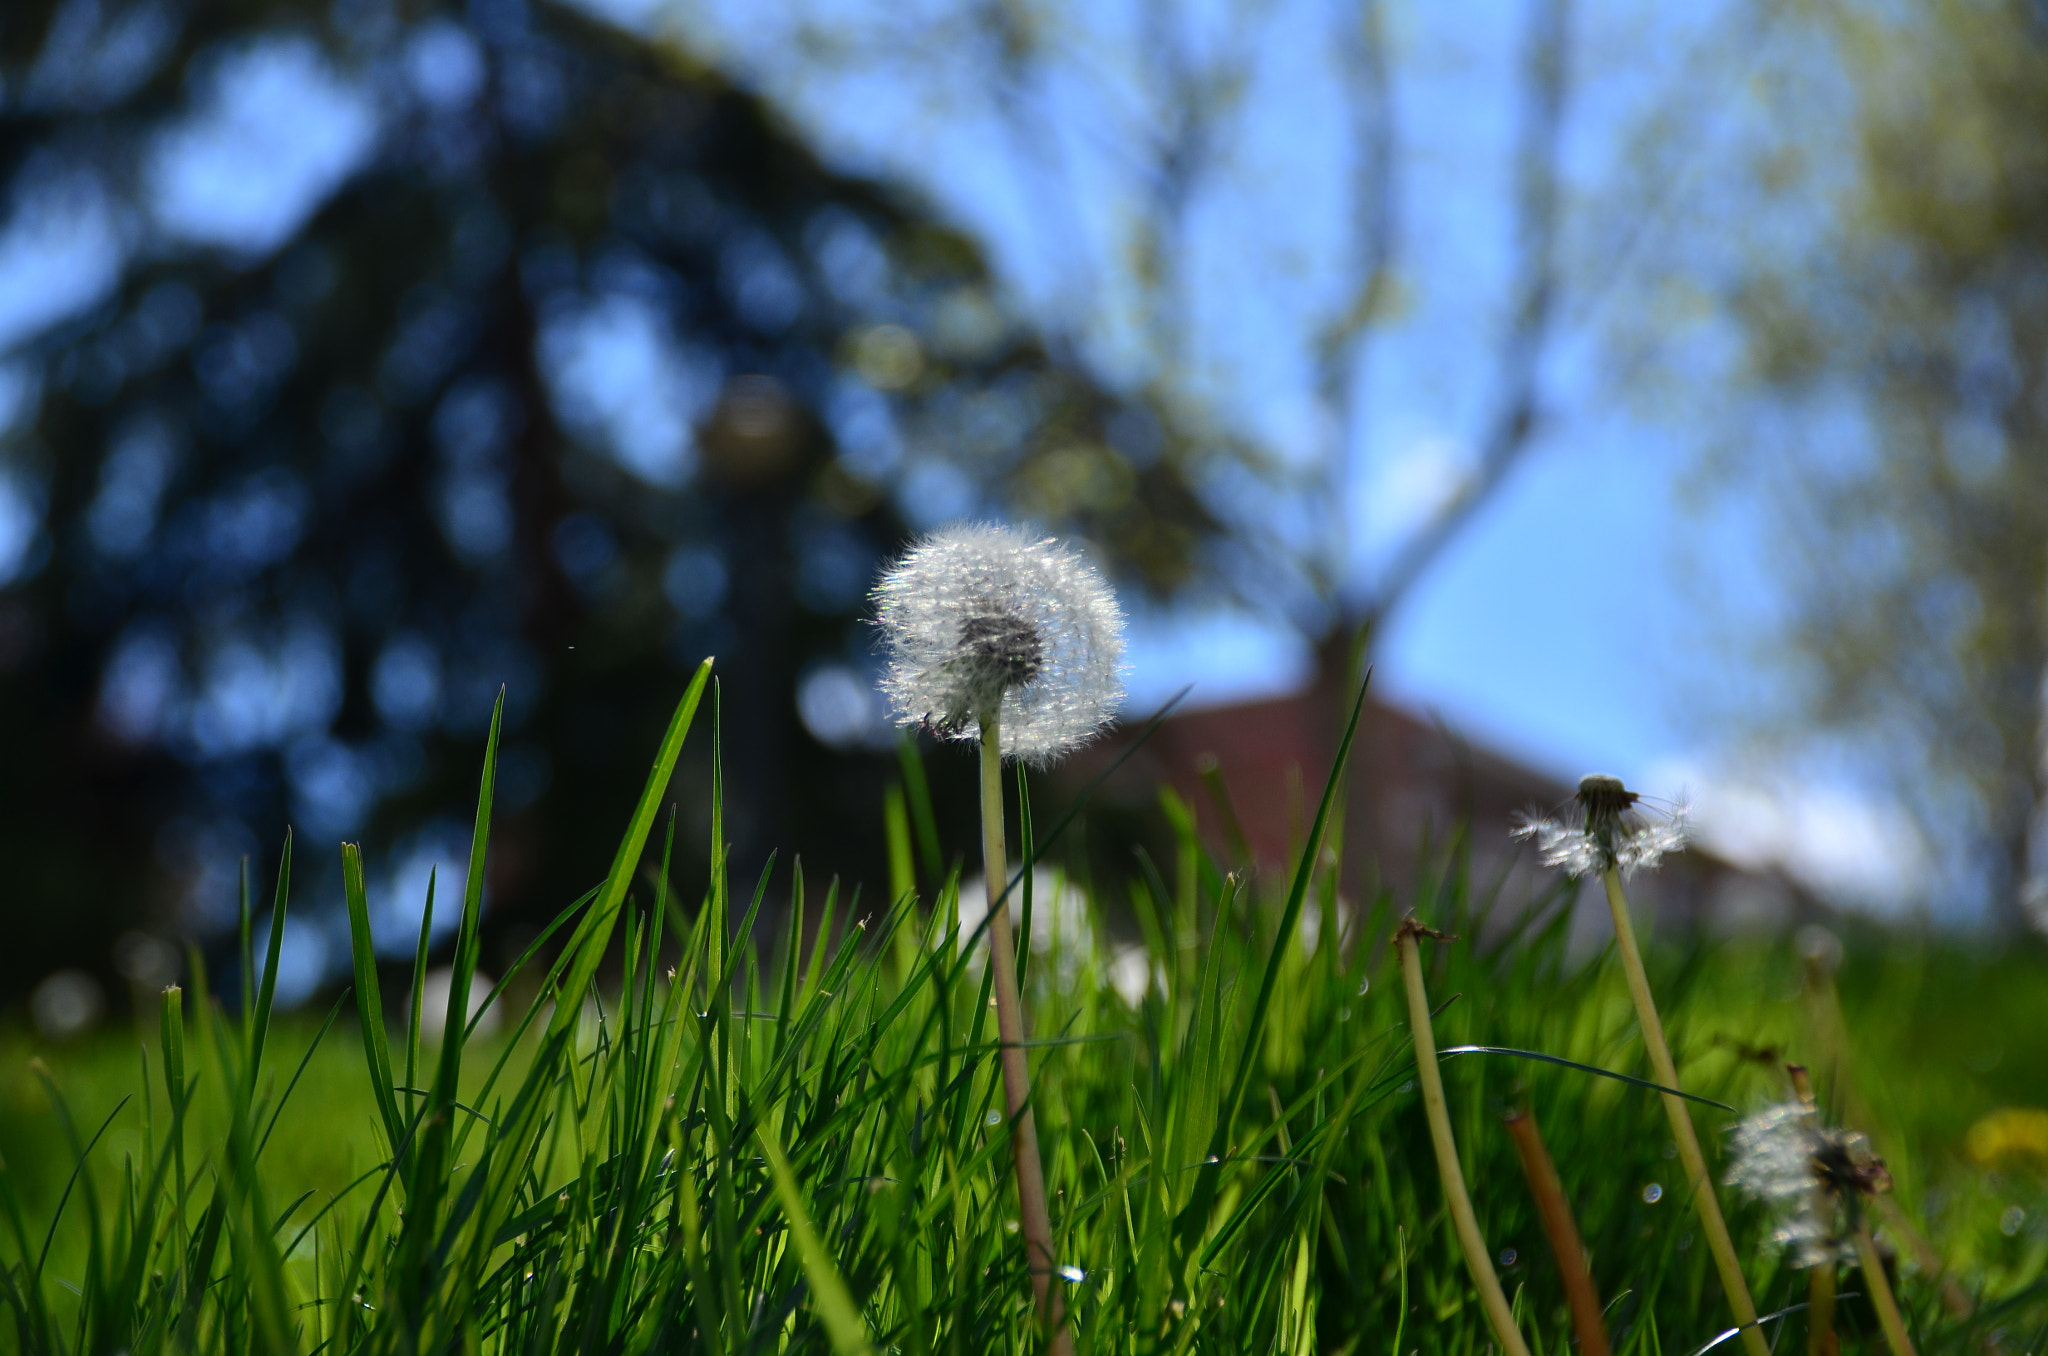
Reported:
(1815, 1179)
(1605, 826)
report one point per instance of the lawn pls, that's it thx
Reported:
(734, 1138)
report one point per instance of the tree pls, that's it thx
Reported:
(448, 352)
(1141, 111)
(1910, 343)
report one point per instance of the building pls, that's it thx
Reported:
(1417, 796)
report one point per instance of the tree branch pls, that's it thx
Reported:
(1342, 351)
(1516, 408)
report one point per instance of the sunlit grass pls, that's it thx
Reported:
(779, 1139)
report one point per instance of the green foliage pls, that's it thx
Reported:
(736, 1146)
(1907, 498)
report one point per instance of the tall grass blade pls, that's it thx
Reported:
(369, 998)
(259, 1026)
(595, 932)
(828, 1290)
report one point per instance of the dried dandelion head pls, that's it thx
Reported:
(1813, 1177)
(980, 620)
(1605, 826)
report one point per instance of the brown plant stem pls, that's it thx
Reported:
(1480, 1262)
(1712, 1224)
(1881, 1294)
(1036, 1219)
(1556, 1213)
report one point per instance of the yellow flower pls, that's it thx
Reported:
(2007, 1133)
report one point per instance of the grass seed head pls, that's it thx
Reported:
(981, 620)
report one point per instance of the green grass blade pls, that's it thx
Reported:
(333, 1014)
(369, 999)
(1582, 1068)
(843, 1323)
(1297, 892)
(455, 1025)
(259, 1027)
(597, 928)
(418, 988)
(896, 836)
(246, 923)
(918, 793)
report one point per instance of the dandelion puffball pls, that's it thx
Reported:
(1603, 827)
(982, 620)
(1813, 1177)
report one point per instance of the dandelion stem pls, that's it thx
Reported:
(1830, 1035)
(1010, 1026)
(1881, 1294)
(1820, 1280)
(1704, 1200)
(1556, 1213)
(1477, 1258)
(1820, 1311)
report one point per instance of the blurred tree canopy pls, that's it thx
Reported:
(384, 354)
(1913, 343)
(1215, 205)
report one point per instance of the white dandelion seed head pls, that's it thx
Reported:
(1605, 825)
(979, 618)
(1812, 1177)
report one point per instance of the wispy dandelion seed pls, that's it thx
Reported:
(1606, 825)
(980, 620)
(1814, 1178)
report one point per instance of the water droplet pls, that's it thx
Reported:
(1363, 985)
(1684, 1242)
(1409, 1086)
(1653, 1193)
(1070, 1272)
(1343, 1014)
(994, 1117)
(1671, 1151)
(1009, 1226)
(2009, 1223)
(1508, 1257)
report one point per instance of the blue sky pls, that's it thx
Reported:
(1586, 619)
(1599, 613)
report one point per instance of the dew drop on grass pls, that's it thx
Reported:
(994, 1117)
(1409, 1086)
(2009, 1223)
(1009, 1226)
(1653, 1193)
(1072, 1273)
(1508, 1257)
(1363, 985)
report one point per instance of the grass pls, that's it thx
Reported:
(796, 1142)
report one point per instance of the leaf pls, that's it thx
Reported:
(1582, 1068)
(596, 929)
(828, 1291)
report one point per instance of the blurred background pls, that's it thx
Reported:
(1655, 389)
